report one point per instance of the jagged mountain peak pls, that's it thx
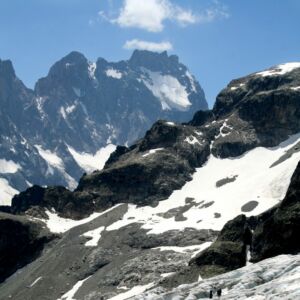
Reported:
(70, 72)
(6, 69)
(153, 61)
(74, 61)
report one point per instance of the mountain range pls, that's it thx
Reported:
(73, 118)
(190, 206)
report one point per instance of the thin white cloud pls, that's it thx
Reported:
(216, 11)
(151, 15)
(145, 45)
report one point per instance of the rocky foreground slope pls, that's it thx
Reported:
(154, 212)
(75, 115)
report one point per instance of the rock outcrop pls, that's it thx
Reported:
(228, 252)
(21, 242)
(278, 231)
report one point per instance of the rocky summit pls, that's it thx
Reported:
(72, 120)
(191, 206)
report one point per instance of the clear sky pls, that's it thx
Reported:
(218, 40)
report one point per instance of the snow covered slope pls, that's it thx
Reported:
(221, 190)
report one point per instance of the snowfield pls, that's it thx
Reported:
(280, 69)
(6, 192)
(57, 224)
(8, 166)
(91, 162)
(221, 190)
(113, 73)
(168, 90)
(277, 278)
(54, 161)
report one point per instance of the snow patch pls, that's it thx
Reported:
(9, 166)
(39, 105)
(70, 109)
(113, 73)
(50, 157)
(92, 69)
(192, 81)
(35, 282)
(248, 256)
(280, 69)
(135, 291)
(6, 192)
(192, 140)
(194, 249)
(95, 236)
(58, 224)
(152, 151)
(221, 133)
(70, 294)
(168, 90)
(233, 88)
(295, 88)
(63, 113)
(199, 133)
(164, 275)
(54, 161)
(170, 123)
(91, 162)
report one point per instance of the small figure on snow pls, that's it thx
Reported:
(210, 294)
(219, 292)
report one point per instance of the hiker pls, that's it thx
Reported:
(219, 292)
(210, 294)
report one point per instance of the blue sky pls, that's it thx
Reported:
(218, 40)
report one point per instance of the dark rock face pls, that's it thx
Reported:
(85, 106)
(21, 242)
(228, 252)
(202, 117)
(278, 232)
(68, 204)
(266, 111)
